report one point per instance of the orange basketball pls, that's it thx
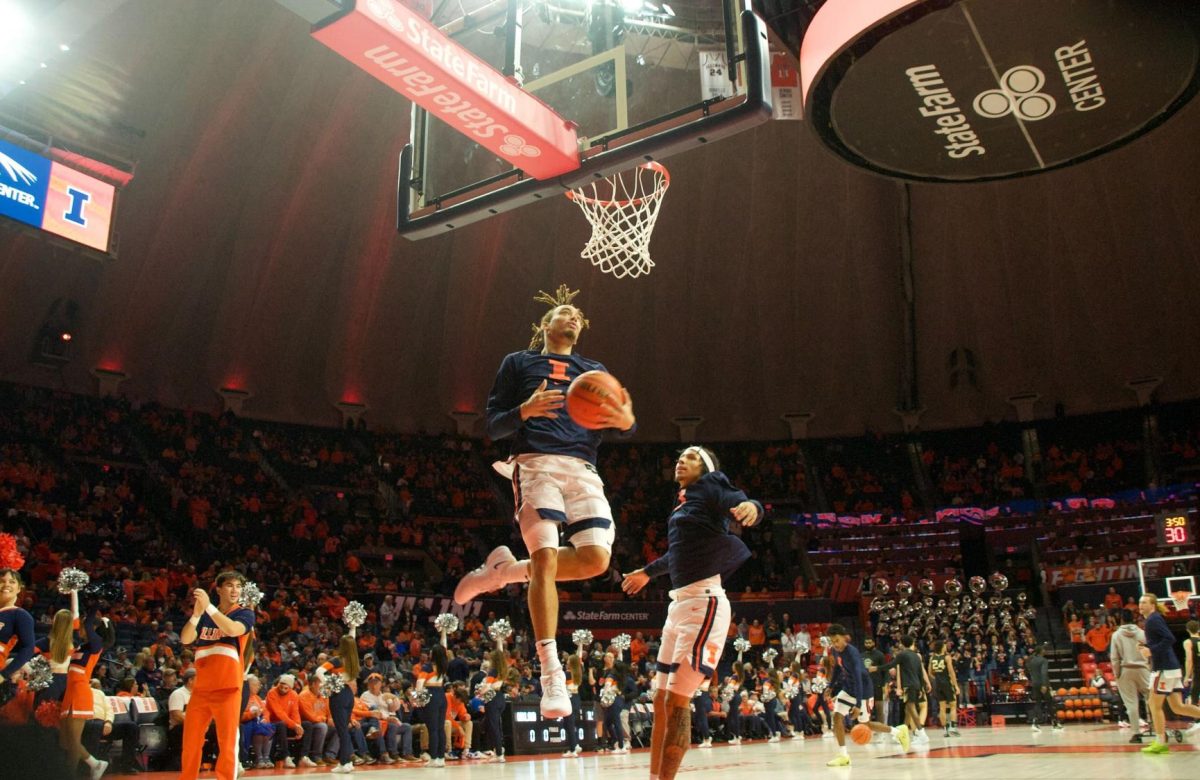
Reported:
(1062, 714)
(1073, 692)
(1061, 692)
(589, 396)
(861, 734)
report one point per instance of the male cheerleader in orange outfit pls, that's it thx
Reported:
(219, 635)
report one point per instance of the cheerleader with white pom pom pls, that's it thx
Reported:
(86, 645)
(491, 690)
(570, 723)
(339, 676)
(435, 710)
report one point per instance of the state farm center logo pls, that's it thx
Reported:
(16, 171)
(1019, 94)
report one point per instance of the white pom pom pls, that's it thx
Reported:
(446, 623)
(354, 614)
(500, 630)
(72, 580)
(741, 644)
(420, 697)
(485, 692)
(622, 642)
(608, 694)
(38, 674)
(582, 637)
(770, 655)
(333, 683)
(251, 595)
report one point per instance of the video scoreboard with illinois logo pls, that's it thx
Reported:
(48, 195)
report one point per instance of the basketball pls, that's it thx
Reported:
(589, 397)
(861, 734)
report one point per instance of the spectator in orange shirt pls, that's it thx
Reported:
(756, 634)
(315, 720)
(1078, 637)
(1098, 637)
(459, 727)
(1113, 601)
(283, 709)
(637, 650)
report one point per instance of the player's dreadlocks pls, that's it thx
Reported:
(560, 297)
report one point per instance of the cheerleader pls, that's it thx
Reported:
(733, 695)
(77, 707)
(435, 711)
(611, 691)
(771, 703)
(16, 625)
(344, 663)
(493, 708)
(574, 680)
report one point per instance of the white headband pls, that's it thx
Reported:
(703, 456)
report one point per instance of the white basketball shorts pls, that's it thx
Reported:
(559, 495)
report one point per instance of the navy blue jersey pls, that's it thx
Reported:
(519, 376)
(699, 544)
(1161, 642)
(16, 640)
(849, 672)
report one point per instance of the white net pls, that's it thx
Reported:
(622, 209)
(1181, 598)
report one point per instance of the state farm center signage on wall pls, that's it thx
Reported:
(986, 89)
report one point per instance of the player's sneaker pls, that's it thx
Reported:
(1156, 747)
(838, 761)
(621, 749)
(902, 736)
(1136, 739)
(98, 769)
(922, 737)
(1035, 728)
(1122, 724)
(486, 578)
(342, 769)
(289, 763)
(1192, 730)
(706, 742)
(826, 735)
(774, 738)
(735, 740)
(556, 702)
(954, 731)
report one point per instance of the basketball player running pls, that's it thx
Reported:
(700, 550)
(945, 685)
(913, 683)
(555, 483)
(849, 686)
(219, 634)
(1167, 682)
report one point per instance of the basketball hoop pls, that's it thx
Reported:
(622, 209)
(1181, 598)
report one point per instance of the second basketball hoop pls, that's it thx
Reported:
(622, 209)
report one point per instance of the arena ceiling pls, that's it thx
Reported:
(257, 250)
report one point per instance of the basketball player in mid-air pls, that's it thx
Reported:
(700, 550)
(555, 482)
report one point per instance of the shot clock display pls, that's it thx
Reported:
(1174, 528)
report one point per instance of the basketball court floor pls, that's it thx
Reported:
(1093, 752)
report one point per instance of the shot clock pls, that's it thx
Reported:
(1174, 528)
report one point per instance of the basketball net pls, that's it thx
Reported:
(622, 209)
(1181, 598)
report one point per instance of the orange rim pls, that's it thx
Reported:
(650, 166)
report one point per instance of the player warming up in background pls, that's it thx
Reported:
(700, 549)
(848, 686)
(555, 483)
(219, 634)
(1167, 683)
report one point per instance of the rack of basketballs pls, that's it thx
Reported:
(1085, 704)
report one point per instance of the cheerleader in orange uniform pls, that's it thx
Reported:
(77, 697)
(220, 634)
